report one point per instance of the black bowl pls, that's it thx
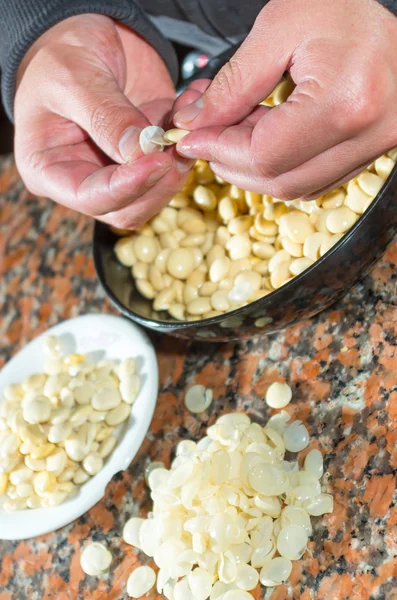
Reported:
(315, 289)
(312, 291)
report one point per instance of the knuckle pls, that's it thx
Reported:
(267, 168)
(264, 161)
(360, 108)
(131, 221)
(283, 191)
(105, 120)
(227, 83)
(29, 171)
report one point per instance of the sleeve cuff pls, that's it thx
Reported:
(390, 4)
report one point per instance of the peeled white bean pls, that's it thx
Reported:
(276, 571)
(21, 475)
(278, 395)
(57, 461)
(92, 464)
(75, 447)
(35, 464)
(107, 446)
(319, 505)
(118, 415)
(95, 559)
(84, 392)
(314, 463)
(129, 387)
(247, 577)
(197, 398)
(80, 477)
(9, 444)
(105, 399)
(292, 541)
(59, 432)
(140, 582)
(37, 410)
(131, 531)
(296, 437)
(200, 583)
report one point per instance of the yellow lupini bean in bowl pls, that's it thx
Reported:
(218, 226)
(187, 262)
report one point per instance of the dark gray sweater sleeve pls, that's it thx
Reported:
(23, 21)
(390, 4)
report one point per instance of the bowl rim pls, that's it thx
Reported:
(261, 302)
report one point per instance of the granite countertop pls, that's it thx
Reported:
(342, 366)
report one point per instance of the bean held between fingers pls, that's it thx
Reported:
(154, 138)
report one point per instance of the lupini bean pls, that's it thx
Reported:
(118, 415)
(80, 477)
(106, 399)
(209, 214)
(340, 220)
(92, 464)
(43, 483)
(48, 426)
(180, 263)
(37, 410)
(107, 446)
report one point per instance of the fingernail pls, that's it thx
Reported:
(184, 165)
(156, 175)
(129, 142)
(190, 112)
(187, 154)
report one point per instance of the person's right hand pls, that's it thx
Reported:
(85, 90)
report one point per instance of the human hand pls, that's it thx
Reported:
(341, 115)
(82, 99)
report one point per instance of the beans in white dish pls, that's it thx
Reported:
(58, 427)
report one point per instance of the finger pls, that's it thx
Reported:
(158, 112)
(282, 138)
(332, 186)
(192, 93)
(228, 145)
(256, 184)
(82, 151)
(134, 215)
(104, 112)
(242, 179)
(247, 79)
(92, 189)
(326, 171)
(253, 119)
(323, 173)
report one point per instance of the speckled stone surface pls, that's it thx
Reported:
(342, 366)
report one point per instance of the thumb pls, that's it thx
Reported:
(109, 118)
(245, 81)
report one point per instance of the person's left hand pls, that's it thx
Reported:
(340, 117)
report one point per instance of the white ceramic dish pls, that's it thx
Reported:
(108, 337)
